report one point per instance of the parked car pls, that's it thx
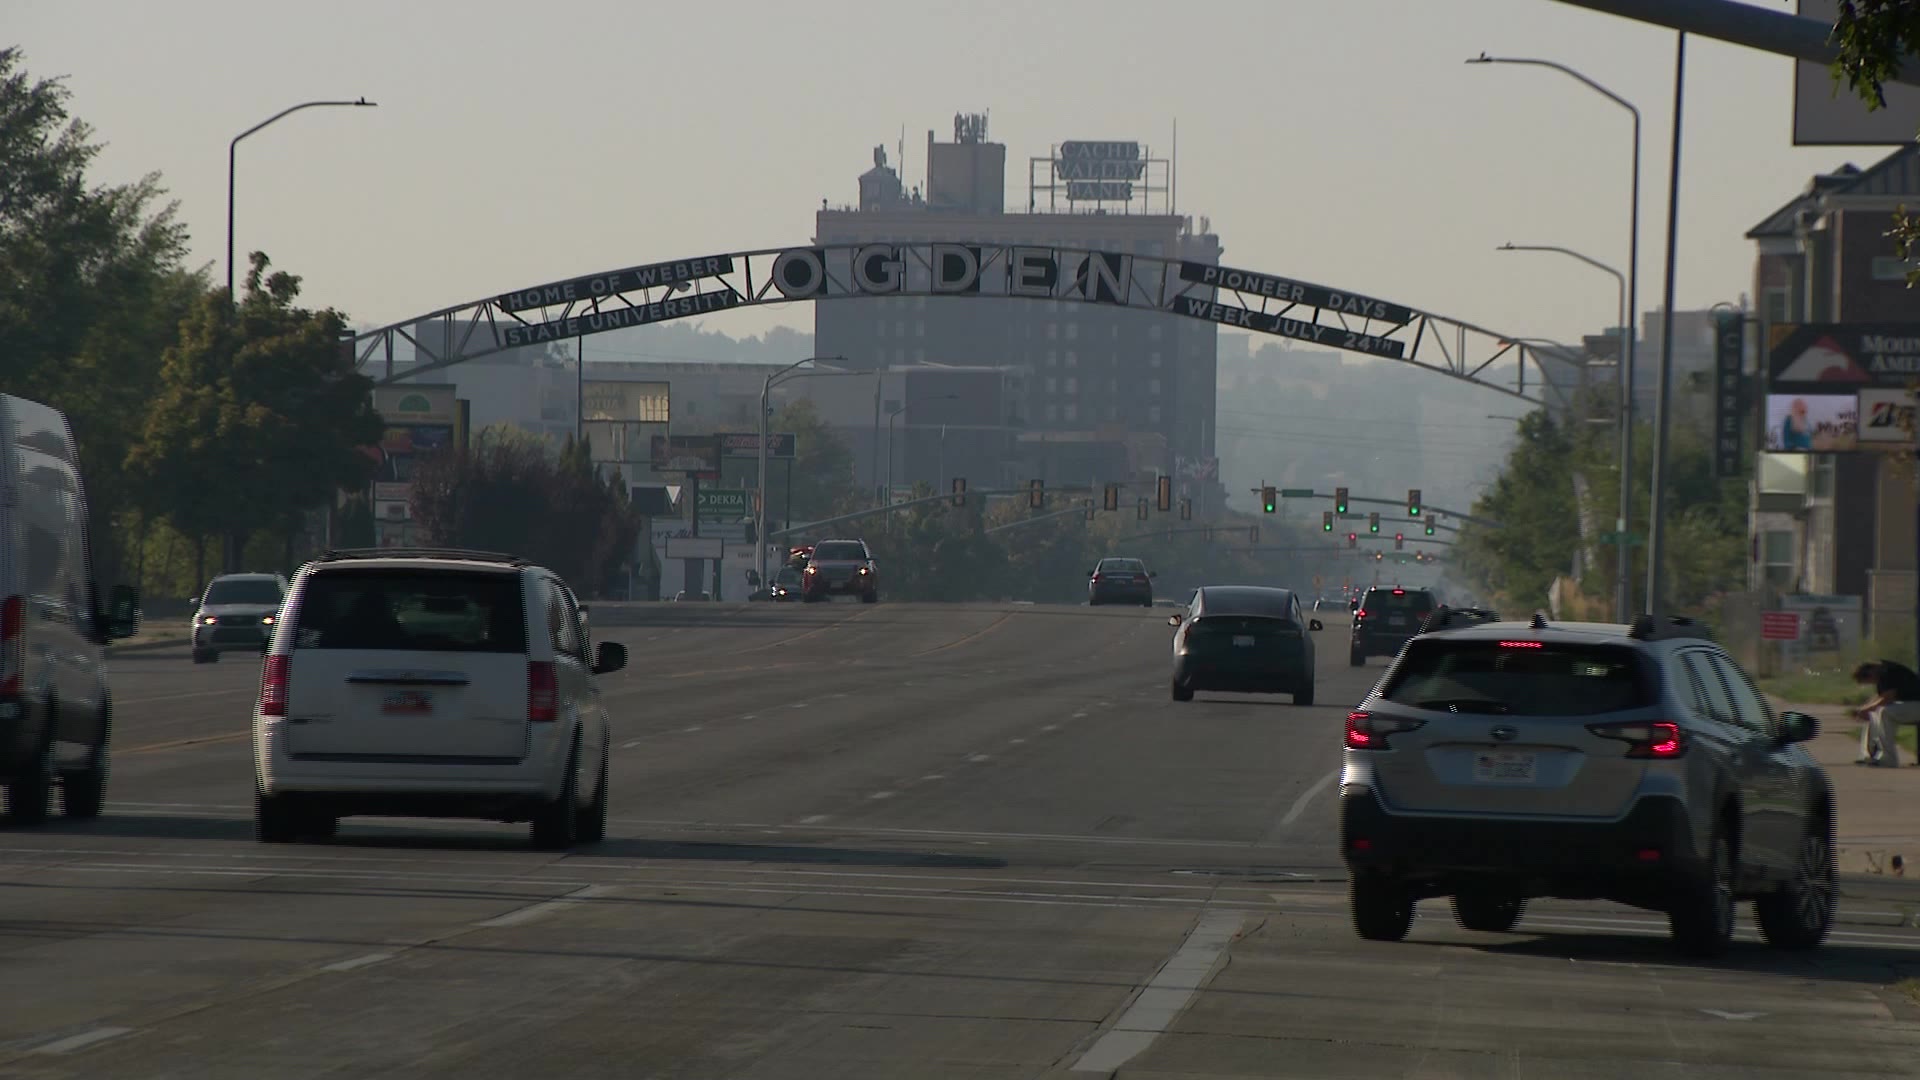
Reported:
(432, 683)
(56, 705)
(236, 613)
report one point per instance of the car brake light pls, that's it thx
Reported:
(1096, 579)
(273, 686)
(1657, 740)
(1366, 731)
(1360, 614)
(1522, 645)
(543, 692)
(11, 630)
(1399, 592)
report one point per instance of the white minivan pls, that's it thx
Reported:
(432, 683)
(56, 709)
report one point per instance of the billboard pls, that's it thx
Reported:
(1827, 113)
(686, 453)
(1729, 349)
(1886, 419)
(420, 419)
(626, 402)
(600, 286)
(1106, 160)
(721, 502)
(781, 445)
(1812, 423)
(1827, 358)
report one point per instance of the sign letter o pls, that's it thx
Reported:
(799, 274)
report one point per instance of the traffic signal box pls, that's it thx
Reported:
(1036, 494)
(1373, 522)
(1339, 500)
(959, 491)
(1166, 494)
(1113, 497)
(1413, 502)
(1269, 499)
(1326, 521)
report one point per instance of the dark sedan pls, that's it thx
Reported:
(1120, 581)
(1243, 639)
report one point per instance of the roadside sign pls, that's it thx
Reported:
(1633, 539)
(721, 502)
(1780, 626)
(781, 445)
(695, 547)
(1296, 493)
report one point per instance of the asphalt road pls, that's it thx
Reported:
(847, 842)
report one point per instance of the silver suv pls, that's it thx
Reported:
(236, 613)
(432, 683)
(1500, 761)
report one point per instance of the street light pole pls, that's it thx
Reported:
(1632, 329)
(234, 146)
(760, 514)
(1623, 590)
(1663, 404)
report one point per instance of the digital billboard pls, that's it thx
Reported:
(1812, 423)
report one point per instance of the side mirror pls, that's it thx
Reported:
(1314, 624)
(123, 612)
(610, 657)
(1173, 619)
(1798, 727)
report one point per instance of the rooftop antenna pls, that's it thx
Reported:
(1173, 172)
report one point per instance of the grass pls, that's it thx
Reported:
(1817, 688)
(1909, 987)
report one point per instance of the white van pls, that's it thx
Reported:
(56, 711)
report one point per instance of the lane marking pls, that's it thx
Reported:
(1079, 716)
(934, 776)
(180, 744)
(746, 716)
(978, 758)
(545, 907)
(977, 634)
(249, 689)
(883, 795)
(813, 819)
(798, 705)
(85, 1039)
(692, 729)
(1049, 727)
(1171, 988)
(630, 745)
(1299, 807)
(1015, 742)
(357, 962)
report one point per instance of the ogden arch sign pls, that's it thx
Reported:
(1239, 299)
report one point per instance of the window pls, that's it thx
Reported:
(1710, 694)
(1053, 331)
(1483, 677)
(1073, 385)
(919, 356)
(1153, 331)
(1073, 358)
(1153, 414)
(563, 623)
(263, 592)
(1113, 386)
(439, 611)
(899, 356)
(1073, 330)
(1776, 557)
(1053, 412)
(1052, 386)
(1073, 412)
(900, 329)
(1053, 358)
(1153, 359)
(1113, 412)
(1749, 707)
(880, 329)
(920, 328)
(1153, 386)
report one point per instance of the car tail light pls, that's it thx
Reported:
(543, 692)
(1399, 592)
(1096, 579)
(1522, 645)
(273, 686)
(1360, 613)
(1657, 740)
(1366, 731)
(12, 631)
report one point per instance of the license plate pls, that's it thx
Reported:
(1396, 620)
(407, 702)
(1244, 641)
(1504, 767)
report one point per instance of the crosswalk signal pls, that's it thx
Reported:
(1143, 509)
(1413, 502)
(1166, 493)
(1267, 500)
(1429, 528)
(1113, 497)
(1186, 509)
(1399, 541)
(959, 491)
(1339, 500)
(1326, 521)
(1373, 522)
(1036, 494)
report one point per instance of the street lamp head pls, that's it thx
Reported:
(1483, 58)
(364, 103)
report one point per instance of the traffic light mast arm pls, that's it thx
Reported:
(1426, 509)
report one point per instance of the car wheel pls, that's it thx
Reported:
(1700, 915)
(592, 827)
(1303, 697)
(1800, 913)
(554, 824)
(1492, 911)
(1181, 692)
(83, 794)
(276, 820)
(1382, 908)
(1357, 657)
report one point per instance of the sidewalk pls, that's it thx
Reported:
(1878, 810)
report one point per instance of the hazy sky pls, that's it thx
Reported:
(1343, 142)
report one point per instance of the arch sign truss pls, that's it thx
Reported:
(1238, 299)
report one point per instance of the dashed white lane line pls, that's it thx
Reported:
(357, 962)
(883, 795)
(1015, 742)
(690, 730)
(545, 907)
(630, 745)
(747, 716)
(934, 776)
(1080, 716)
(81, 1041)
(798, 705)
(1171, 988)
(1049, 727)
(978, 758)
(1300, 807)
(813, 819)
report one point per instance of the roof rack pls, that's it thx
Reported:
(465, 554)
(1647, 628)
(1446, 618)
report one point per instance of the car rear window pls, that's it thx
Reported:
(1530, 678)
(1387, 600)
(840, 551)
(427, 610)
(1133, 566)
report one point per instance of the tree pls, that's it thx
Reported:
(822, 466)
(91, 289)
(264, 398)
(1876, 37)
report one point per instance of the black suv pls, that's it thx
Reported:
(1385, 618)
(1503, 761)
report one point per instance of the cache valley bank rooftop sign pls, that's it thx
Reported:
(1241, 299)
